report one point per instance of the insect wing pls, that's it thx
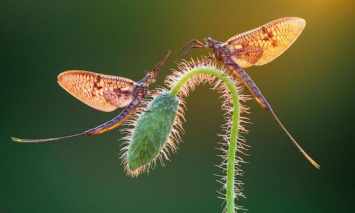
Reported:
(265, 43)
(101, 92)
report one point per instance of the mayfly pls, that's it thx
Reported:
(105, 93)
(256, 47)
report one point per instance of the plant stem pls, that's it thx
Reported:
(230, 197)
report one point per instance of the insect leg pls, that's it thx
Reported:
(194, 41)
(162, 62)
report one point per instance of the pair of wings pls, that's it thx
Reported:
(255, 47)
(263, 44)
(101, 92)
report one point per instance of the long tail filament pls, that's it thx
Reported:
(22, 140)
(315, 164)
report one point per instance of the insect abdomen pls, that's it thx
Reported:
(116, 121)
(249, 83)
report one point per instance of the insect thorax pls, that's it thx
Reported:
(220, 51)
(141, 90)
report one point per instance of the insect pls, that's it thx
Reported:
(105, 93)
(255, 47)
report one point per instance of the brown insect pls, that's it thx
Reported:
(256, 47)
(105, 93)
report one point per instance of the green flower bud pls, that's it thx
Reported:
(152, 131)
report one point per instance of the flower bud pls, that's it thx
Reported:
(152, 131)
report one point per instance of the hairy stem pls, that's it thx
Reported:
(230, 196)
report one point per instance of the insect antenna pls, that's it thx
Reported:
(199, 45)
(22, 140)
(315, 164)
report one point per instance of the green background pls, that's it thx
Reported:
(310, 87)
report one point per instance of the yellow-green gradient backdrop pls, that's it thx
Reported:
(310, 87)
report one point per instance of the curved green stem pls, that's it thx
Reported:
(234, 128)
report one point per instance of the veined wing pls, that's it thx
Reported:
(102, 92)
(265, 43)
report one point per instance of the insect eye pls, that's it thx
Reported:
(154, 74)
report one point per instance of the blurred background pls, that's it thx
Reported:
(310, 87)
